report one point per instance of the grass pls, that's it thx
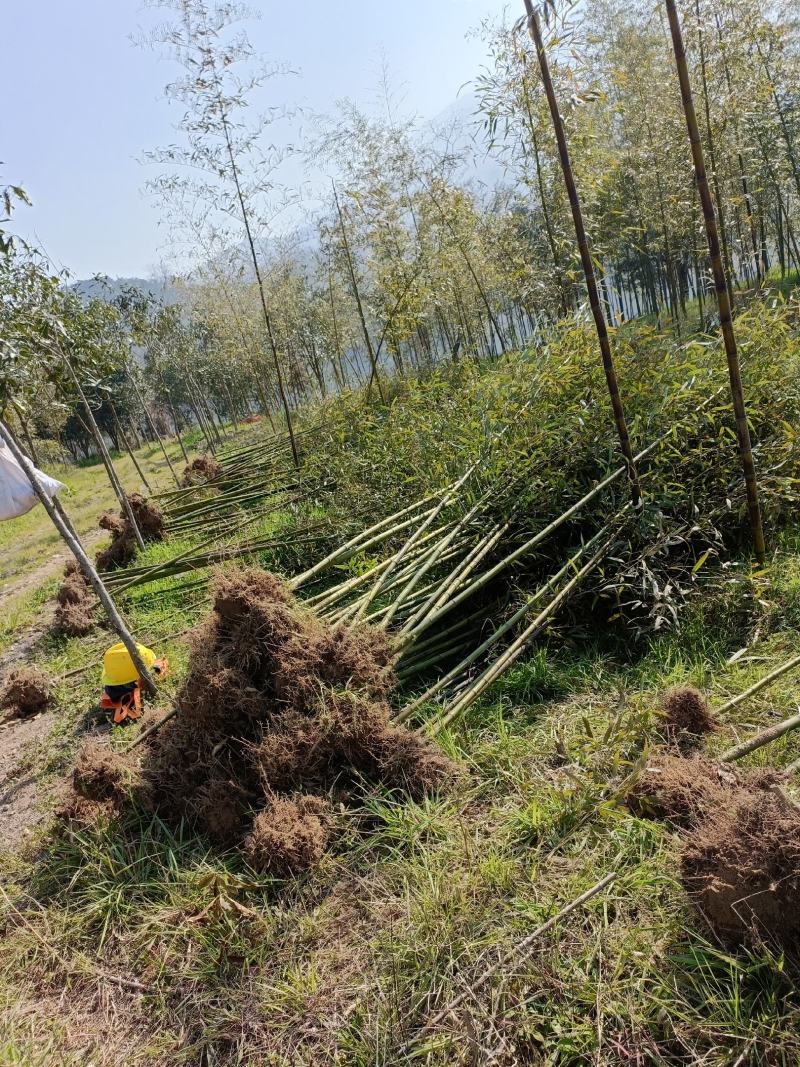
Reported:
(415, 900)
(136, 943)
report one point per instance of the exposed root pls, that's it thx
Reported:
(26, 690)
(687, 715)
(150, 520)
(202, 469)
(74, 614)
(681, 791)
(288, 836)
(102, 775)
(741, 868)
(277, 702)
(740, 863)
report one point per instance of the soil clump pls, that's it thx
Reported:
(687, 716)
(74, 614)
(740, 857)
(150, 520)
(202, 469)
(279, 713)
(26, 690)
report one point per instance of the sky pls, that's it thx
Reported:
(83, 103)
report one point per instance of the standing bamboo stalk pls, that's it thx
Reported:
(123, 437)
(373, 359)
(104, 454)
(72, 541)
(534, 28)
(720, 284)
(153, 428)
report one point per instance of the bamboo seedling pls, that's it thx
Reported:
(720, 284)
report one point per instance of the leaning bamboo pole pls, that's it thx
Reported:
(534, 28)
(768, 679)
(510, 655)
(720, 284)
(73, 543)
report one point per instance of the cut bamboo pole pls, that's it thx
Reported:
(362, 539)
(534, 28)
(515, 650)
(518, 615)
(720, 285)
(768, 679)
(75, 546)
(772, 733)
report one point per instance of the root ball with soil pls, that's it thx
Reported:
(278, 713)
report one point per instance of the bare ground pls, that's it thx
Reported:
(19, 811)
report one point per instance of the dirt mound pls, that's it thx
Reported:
(740, 862)
(682, 790)
(741, 867)
(100, 774)
(686, 715)
(276, 706)
(202, 469)
(26, 690)
(74, 614)
(150, 520)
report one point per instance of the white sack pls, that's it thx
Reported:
(17, 495)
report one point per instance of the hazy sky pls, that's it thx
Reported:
(81, 103)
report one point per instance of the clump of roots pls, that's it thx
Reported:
(288, 835)
(202, 469)
(74, 614)
(26, 690)
(150, 520)
(740, 861)
(277, 705)
(741, 868)
(686, 715)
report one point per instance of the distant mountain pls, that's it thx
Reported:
(110, 288)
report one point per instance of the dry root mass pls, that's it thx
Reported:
(202, 469)
(150, 520)
(740, 857)
(279, 712)
(26, 690)
(74, 614)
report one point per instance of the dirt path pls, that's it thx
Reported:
(31, 580)
(19, 789)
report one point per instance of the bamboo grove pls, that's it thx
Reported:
(409, 263)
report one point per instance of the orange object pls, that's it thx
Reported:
(127, 707)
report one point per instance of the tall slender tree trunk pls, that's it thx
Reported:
(259, 280)
(373, 359)
(122, 436)
(153, 429)
(720, 284)
(586, 258)
(95, 431)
